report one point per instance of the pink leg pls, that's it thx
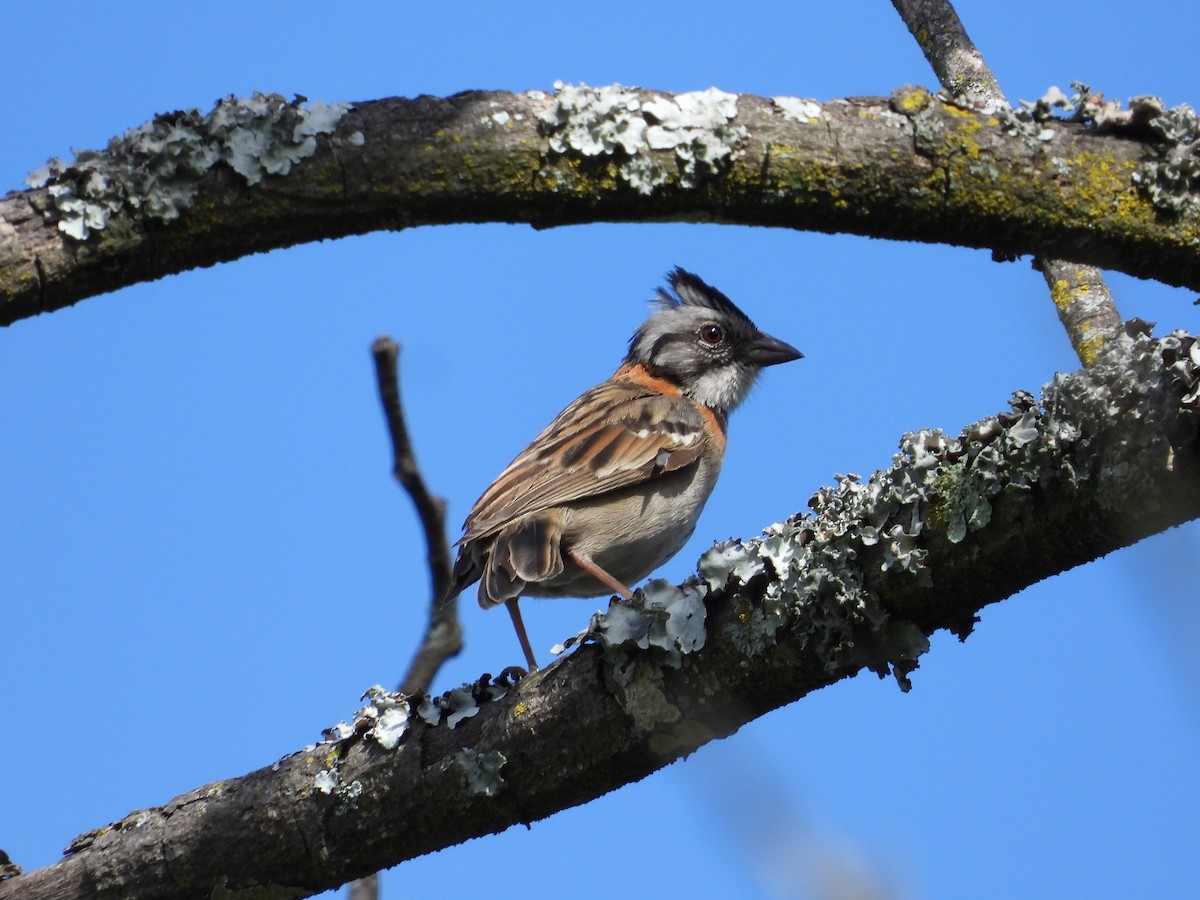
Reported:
(519, 625)
(585, 563)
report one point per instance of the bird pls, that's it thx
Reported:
(613, 486)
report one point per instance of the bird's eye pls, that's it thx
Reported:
(712, 334)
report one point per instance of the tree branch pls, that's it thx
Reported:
(953, 56)
(1085, 305)
(443, 636)
(911, 167)
(1110, 455)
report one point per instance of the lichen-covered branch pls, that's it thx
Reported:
(950, 52)
(190, 189)
(1108, 455)
(1081, 296)
(1085, 306)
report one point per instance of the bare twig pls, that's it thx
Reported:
(443, 638)
(1084, 303)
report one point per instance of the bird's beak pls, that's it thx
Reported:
(768, 351)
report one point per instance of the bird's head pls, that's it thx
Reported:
(699, 339)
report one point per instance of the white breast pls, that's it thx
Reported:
(632, 532)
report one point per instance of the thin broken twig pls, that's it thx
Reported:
(443, 637)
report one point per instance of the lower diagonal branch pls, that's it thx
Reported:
(1109, 456)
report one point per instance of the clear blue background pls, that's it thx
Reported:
(204, 560)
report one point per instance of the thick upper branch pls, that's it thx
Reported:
(184, 191)
(1110, 455)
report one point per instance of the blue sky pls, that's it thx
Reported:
(204, 561)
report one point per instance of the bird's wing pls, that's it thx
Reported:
(640, 436)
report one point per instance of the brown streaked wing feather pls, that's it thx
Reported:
(646, 435)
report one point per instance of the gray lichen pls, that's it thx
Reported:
(1172, 181)
(816, 577)
(155, 169)
(642, 638)
(798, 109)
(326, 780)
(629, 126)
(384, 719)
(1090, 108)
(660, 615)
(942, 488)
(482, 771)
(388, 715)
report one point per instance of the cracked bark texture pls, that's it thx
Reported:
(909, 167)
(1111, 455)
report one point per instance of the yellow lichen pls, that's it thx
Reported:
(1102, 188)
(1089, 348)
(913, 101)
(1060, 293)
(962, 137)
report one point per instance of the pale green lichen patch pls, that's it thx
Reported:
(155, 169)
(729, 559)
(640, 688)
(391, 726)
(642, 637)
(629, 126)
(660, 615)
(481, 771)
(326, 780)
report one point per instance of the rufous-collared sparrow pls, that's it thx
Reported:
(612, 488)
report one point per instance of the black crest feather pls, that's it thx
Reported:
(689, 290)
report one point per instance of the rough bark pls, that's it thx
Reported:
(910, 167)
(1109, 456)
